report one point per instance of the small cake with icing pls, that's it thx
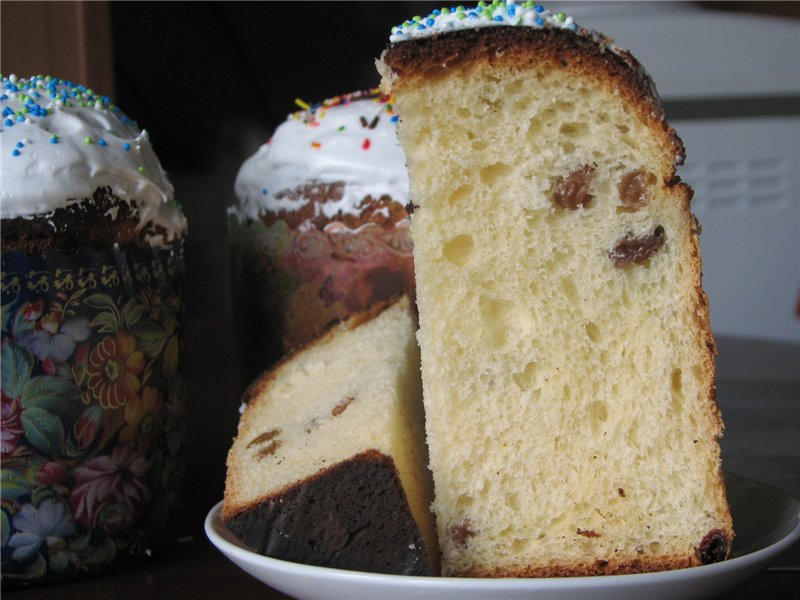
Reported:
(320, 229)
(93, 308)
(567, 356)
(78, 172)
(328, 466)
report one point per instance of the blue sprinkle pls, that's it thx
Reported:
(539, 21)
(20, 145)
(395, 118)
(572, 27)
(15, 152)
(264, 191)
(126, 146)
(512, 11)
(54, 140)
(7, 111)
(102, 142)
(4, 97)
(472, 15)
(8, 123)
(436, 12)
(430, 22)
(539, 8)
(20, 118)
(498, 18)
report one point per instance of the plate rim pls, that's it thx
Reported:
(238, 552)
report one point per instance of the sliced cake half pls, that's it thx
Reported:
(329, 466)
(567, 356)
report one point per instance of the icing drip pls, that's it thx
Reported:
(349, 140)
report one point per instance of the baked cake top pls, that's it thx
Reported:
(344, 148)
(62, 141)
(518, 34)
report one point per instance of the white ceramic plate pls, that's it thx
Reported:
(766, 520)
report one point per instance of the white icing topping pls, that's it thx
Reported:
(60, 142)
(485, 14)
(350, 139)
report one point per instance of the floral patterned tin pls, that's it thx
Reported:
(92, 404)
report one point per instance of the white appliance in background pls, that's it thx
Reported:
(730, 83)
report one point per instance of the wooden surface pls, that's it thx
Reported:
(69, 39)
(758, 391)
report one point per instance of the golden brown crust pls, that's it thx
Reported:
(595, 567)
(522, 48)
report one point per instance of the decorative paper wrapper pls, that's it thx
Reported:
(289, 284)
(92, 402)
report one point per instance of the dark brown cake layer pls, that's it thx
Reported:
(97, 222)
(352, 516)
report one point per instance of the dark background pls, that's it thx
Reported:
(209, 81)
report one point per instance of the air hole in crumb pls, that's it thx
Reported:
(598, 412)
(569, 288)
(677, 385)
(494, 313)
(526, 378)
(592, 332)
(479, 145)
(574, 130)
(459, 249)
(459, 194)
(491, 173)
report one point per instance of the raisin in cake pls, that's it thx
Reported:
(320, 230)
(567, 356)
(329, 464)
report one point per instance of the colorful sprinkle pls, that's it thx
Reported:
(498, 12)
(366, 144)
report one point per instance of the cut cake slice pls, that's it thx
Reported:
(329, 464)
(567, 356)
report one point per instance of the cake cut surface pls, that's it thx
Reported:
(567, 356)
(329, 464)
